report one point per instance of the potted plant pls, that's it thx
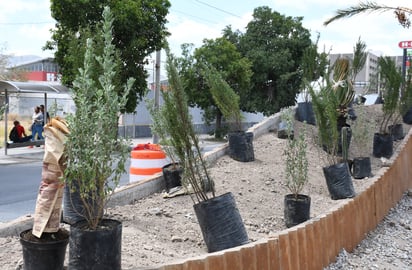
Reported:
(406, 99)
(313, 68)
(390, 84)
(332, 104)
(296, 204)
(95, 155)
(44, 245)
(162, 122)
(337, 174)
(240, 142)
(218, 216)
(285, 126)
(361, 133)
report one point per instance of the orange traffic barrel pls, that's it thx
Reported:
(146, 160)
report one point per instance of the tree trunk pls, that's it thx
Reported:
(219, 133)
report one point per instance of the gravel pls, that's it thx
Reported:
(388, 247)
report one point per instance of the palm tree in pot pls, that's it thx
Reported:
(218, 216)
(332, 106)
(405, 106)
(337, 174)
(95, 155)
(296, 204)
(390, 85)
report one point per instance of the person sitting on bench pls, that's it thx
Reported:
(18, 134)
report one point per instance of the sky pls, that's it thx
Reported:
(25, 24)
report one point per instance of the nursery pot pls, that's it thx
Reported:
(396, 131)
(45, 253)
(339, 181)
(296, 209)
(304, 112)
(241, 146)
(172, 175)
(73, 209)
(407, 117)
(382, 145)
(95, 249)
(220, 223)
(361, 167)
(283, 132)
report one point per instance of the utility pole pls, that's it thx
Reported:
(157, 91)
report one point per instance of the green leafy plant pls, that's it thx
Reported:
(296, 165)
(391, 83)
(405, 100)
(333, 98)
(325, 106)
(95, 155)
(224, 96)
(172, 122)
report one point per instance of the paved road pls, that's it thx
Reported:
(20, 176)
(19, 186)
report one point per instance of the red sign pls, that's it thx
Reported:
(405, 44)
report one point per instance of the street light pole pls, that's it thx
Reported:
(157, 91)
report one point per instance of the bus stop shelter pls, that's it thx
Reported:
(8, 88)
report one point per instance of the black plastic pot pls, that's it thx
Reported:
(96, 249)
(296, 209)
(44, 255)
(73, 209)
(339, 181)
(407, 117)
(304, 112)
(241, 146)
(172, 175)
(396, 131)
(283, 132)
(382, 145)
(220, 222)
(361, 167)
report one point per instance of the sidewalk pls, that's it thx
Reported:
(21, 155)
(35, 154)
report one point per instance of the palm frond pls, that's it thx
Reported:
(369, 7)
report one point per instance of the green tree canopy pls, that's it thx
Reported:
(138, 30)
(275, 45)
(223, 57)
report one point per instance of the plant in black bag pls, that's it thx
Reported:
(218, 216)
(227, 101)
(390, 84)
(95, 155)
(296, 204)
(331, 103)
(362, 143)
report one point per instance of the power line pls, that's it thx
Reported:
(224, 11)
(23, 23)
(190, 15)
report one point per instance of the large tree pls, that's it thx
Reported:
(138, 30)
(275, 44)
(221, 56)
